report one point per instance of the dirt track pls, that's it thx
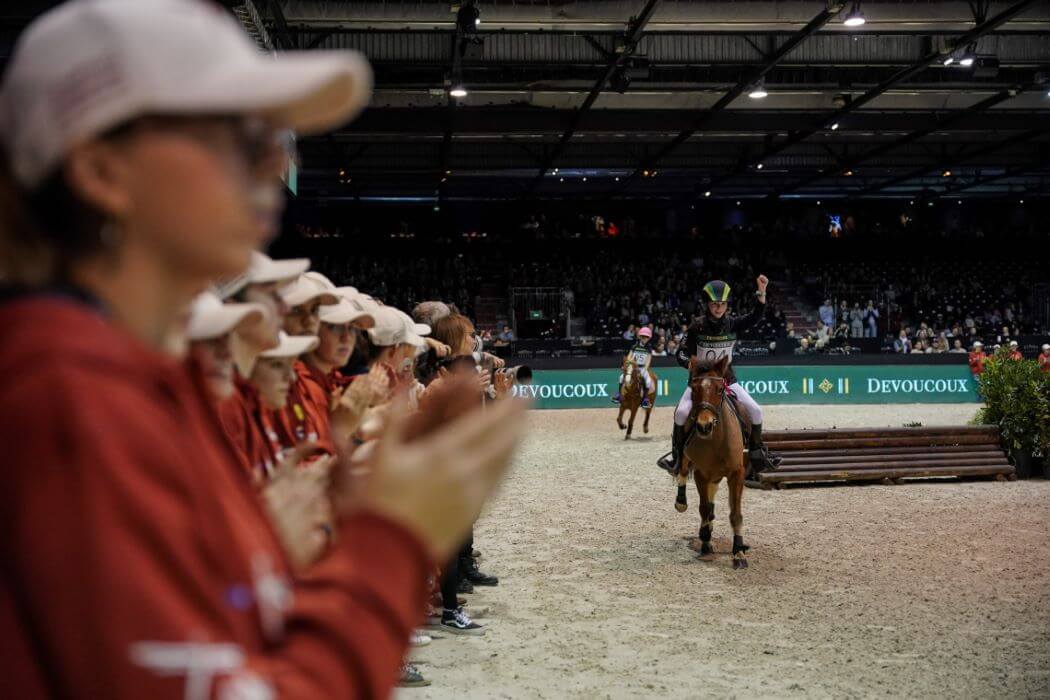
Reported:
(935, 589)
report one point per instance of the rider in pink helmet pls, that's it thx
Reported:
(643, 357)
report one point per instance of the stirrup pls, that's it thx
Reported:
(617, 399)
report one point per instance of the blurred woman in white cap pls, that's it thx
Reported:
(1044, 358)
(210, 330)
(140, 162)
(1015, 351)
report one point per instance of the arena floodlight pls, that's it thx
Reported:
(458, 91)
(946, 173)
(968, 57)
(707, 194)
(855, 18)
(758, 90)
(835, 126)
(759, 166)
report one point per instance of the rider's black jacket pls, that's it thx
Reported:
(710, 332)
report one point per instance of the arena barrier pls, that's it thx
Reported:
(890, 454)
(771, 384)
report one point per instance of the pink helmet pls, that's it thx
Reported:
(644, 332)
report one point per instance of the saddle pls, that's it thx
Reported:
(741, 416)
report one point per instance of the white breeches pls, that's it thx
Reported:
(685, 405)
(647, 378)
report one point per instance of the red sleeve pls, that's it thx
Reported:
(127, 542)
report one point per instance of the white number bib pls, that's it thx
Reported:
(708, 352)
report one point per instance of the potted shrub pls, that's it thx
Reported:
(1017, 399)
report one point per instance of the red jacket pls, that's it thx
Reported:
(251, 430)
(306, 417)
(1044, 361)
(1016, 355)
(977, 360)
(132, 545)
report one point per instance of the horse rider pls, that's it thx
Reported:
(710, 339)
(642, 355)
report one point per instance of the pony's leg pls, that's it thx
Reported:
(630, 421)
(736, 519)
(707, 491)
(619, 417)
(680, 502)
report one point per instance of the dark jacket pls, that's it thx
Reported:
(717, 337)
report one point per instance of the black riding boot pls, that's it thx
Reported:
(761, 458)
(673, 465)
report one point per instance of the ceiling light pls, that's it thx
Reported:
(848, 173)
(949, 59)
(835, 126)
(617, 178)
(759, 166)
(707, 194)
(758, 90)
(738, 202)
(458, 91)
(960, 201)
(946, 173)
(818, 202)
(967, 58)
(855, 18)
(585, 179)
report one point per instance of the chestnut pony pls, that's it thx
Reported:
(714, 449)
(633, 393)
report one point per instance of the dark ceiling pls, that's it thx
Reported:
(650, 99)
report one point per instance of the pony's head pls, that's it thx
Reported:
(708, 392)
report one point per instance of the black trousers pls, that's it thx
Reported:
(453, 573)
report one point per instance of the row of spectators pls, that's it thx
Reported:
(199, 501)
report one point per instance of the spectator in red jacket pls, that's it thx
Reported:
(138, 561)
(1044, 358)
(977, 358)
(1015, 352)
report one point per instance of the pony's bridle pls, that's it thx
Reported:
(704, 405)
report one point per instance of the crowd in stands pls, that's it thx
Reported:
(918, 310)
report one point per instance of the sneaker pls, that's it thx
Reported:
(464, 586)
(616, 399)
(412, 678)
(420, 638)
(458, 622)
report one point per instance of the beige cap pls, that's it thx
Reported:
(292, 345)
(307, 288)
(263, 270)
(394, 327)
(347, 311)
(90, 65)
(210, 318)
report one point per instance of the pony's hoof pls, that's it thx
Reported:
(706, 548)
(739, 562)
(622, 427)
(681, 507)
(627, 436)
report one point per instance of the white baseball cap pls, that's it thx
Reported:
(90, 65)
(1013, 343)
(394, 327)
(306, 288)
(292, 345)
(346, 311)
(1046, 346)
(210, 318)
(978, 344)
(263, 270)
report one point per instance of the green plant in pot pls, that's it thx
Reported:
(1017, 399)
